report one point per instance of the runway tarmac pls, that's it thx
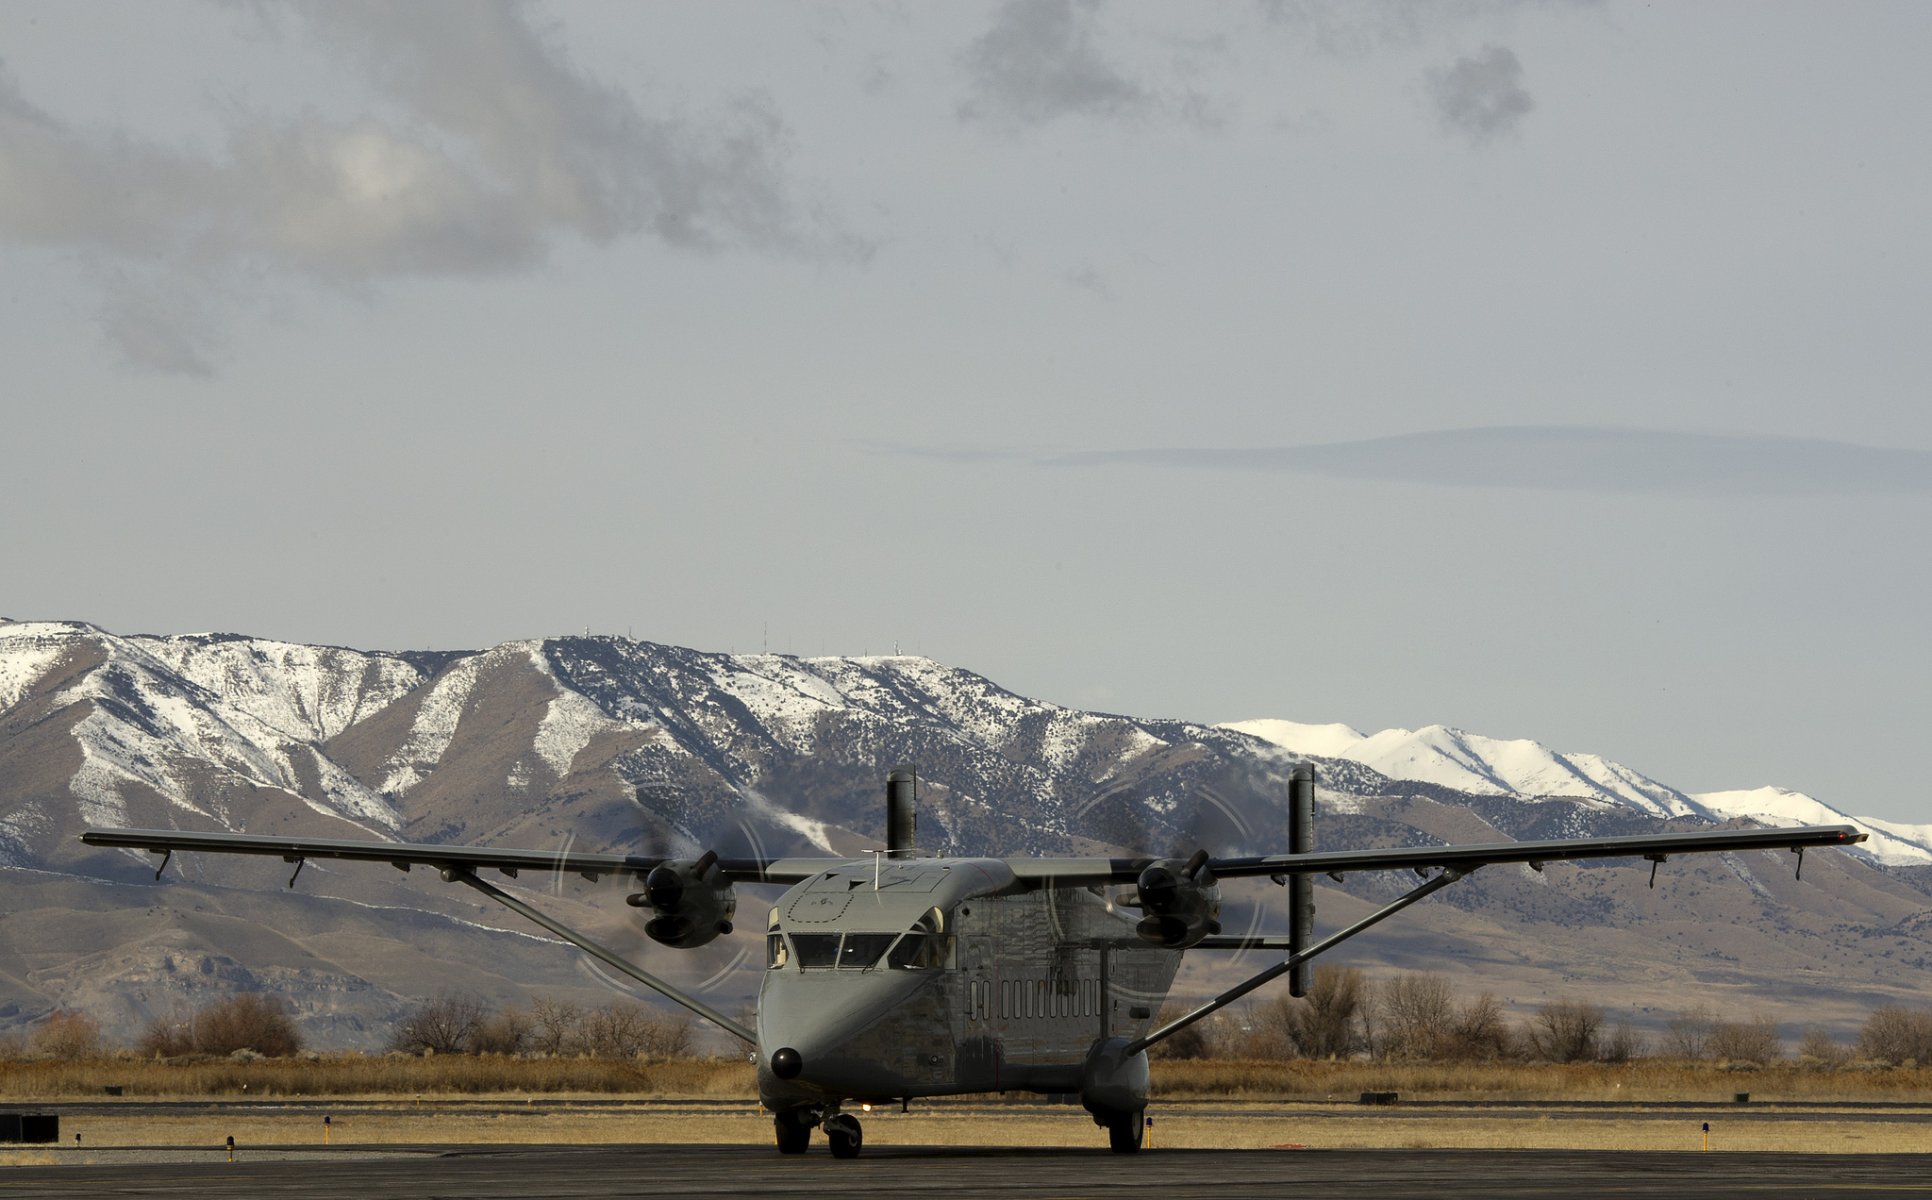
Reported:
(483, 1172)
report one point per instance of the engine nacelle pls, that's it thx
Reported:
(1181, 902)
(691, 902)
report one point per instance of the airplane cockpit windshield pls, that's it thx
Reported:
(924, 947)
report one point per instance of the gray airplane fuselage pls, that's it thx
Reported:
(937, 976)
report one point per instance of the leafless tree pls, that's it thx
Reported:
(554, 1027)
(1897, 1035)
(1621, 1044)
(169, 1036)
(1565, 1031)
(1819, 1046)
(1688, 1034)
(620, 1029)
(504, 1032)
(445, 1024)
(671, 1036)
(67, 1035)
(1753, 1040)
(248, 1021)
(1480, 1032)
(1324, 1023)
(1417, 1011)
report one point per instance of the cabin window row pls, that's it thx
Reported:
(1034, 999)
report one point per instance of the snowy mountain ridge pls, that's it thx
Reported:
(609, 743)
(1527, 770)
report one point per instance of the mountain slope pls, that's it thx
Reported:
(608, 743)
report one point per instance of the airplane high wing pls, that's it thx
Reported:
(1656, 847)
(1063, 871)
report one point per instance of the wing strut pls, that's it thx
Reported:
(1447, 876)
(607, 957)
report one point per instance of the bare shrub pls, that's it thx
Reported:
(1191, 1042)
(249, 1021)
(1754, 1040)
(1621, 1044)
(1416, 1011)
(66, 1035)
(506, 1032)
(1480, 1032)
(1688, 1034)
(1324, 1023)
(169, 1036)
(1897, 1035)
(1818, 1046)
(1565, 1031)
(554, 1027)
(627, 1029)
(672, 1036)
(446, 1024)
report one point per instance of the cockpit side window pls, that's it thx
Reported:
(776, 955)
(816, 949)
(926, 946)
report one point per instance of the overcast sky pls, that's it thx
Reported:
(1554, 371)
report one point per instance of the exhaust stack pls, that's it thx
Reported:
(1301, 888)
(902, 813)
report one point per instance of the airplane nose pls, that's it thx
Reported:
(786, 1063)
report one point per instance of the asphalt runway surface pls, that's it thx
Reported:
(482, 1172)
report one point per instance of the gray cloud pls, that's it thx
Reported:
(1361, 27)
(1552, 458)
(1039, 62)
(495, 148)
(1481, 96)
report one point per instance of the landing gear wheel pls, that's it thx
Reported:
(793, 1130)
(843, 1136)
(1124, 1133)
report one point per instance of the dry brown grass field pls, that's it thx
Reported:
(394, 1076)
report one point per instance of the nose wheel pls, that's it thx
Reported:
(843, 1136)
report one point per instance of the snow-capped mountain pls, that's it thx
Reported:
(610, 743)
(1528, 770)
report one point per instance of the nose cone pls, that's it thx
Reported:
(847, 1033)
(786, 1063)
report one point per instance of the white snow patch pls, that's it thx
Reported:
(1900, 845)
(23, 662)
(1473, 763)
(1323, 741)
(434, 729)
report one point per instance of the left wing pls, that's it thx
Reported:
(445, 858)
(1465, 858)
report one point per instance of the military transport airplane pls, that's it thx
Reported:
(899, 976)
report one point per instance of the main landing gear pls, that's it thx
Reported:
(793, 1132)
(1124, 1131)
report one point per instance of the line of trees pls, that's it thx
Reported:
(459, 1023)
(1414, 1016)
(1418, 1017)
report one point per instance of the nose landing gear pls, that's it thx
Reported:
(792, 1129)
(843, 1136)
